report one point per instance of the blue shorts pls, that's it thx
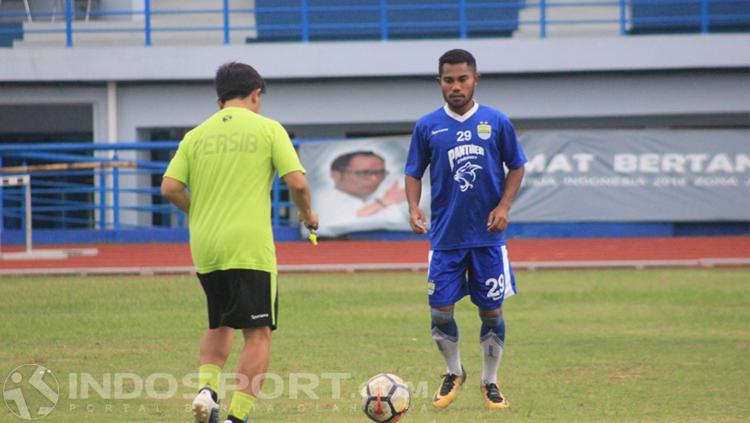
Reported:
(482, 272)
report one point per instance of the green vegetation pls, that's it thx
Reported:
(616, 345)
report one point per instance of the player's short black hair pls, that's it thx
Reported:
(237, 80)
(455, 57)
(342, 161)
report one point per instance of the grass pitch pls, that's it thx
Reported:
(621, 346)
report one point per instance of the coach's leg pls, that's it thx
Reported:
(215, 347)
(252, 367)
(216, 344)
(255, 357)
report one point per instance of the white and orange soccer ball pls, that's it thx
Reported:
(386, 398)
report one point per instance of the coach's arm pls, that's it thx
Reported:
(299, 190)
(176, 192)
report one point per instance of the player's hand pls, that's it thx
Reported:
(310, 220)
(417, 221)
(498, 219)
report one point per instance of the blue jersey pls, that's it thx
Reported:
(466, 156)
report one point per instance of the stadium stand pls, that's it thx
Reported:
(206, 22)
(11, 28)
(9, 32)
(569, 18)
(364, 19)
(671, 17)
(167, 22)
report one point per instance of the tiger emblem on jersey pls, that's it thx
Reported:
(466, 175)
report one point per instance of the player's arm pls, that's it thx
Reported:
(417, 219)
(498, 218)
(299, 190)
(176, 192)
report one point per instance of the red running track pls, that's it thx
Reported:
(406, 252)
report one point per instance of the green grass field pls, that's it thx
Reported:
(624, 346)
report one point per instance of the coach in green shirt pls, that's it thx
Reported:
(229, 162)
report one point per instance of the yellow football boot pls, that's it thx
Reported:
(446, 393)
(493, 398)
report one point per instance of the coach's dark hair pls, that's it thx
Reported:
(455, 57)
(237, 80)
(342, 162)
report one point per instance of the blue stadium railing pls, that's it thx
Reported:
(311, 20)
(118, 192)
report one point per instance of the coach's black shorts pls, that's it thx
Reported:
(240, 298)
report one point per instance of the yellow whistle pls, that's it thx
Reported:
(313, 237)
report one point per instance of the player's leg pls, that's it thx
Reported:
(445, 334)
(255, 313)
(492, 343)
(447, 285)
(489, 283)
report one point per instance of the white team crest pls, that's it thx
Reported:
(484, 130)
(465, 175)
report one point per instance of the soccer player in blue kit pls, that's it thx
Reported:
(466, 145)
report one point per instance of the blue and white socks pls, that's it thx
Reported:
(492, 341)
(445, 334)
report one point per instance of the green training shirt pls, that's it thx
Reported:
(228, 162)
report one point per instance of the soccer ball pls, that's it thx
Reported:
(386, 398)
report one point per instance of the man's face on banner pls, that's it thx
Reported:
(362, 176)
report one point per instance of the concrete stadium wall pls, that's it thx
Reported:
(377, 59)
(321, 85)
(643, 97)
